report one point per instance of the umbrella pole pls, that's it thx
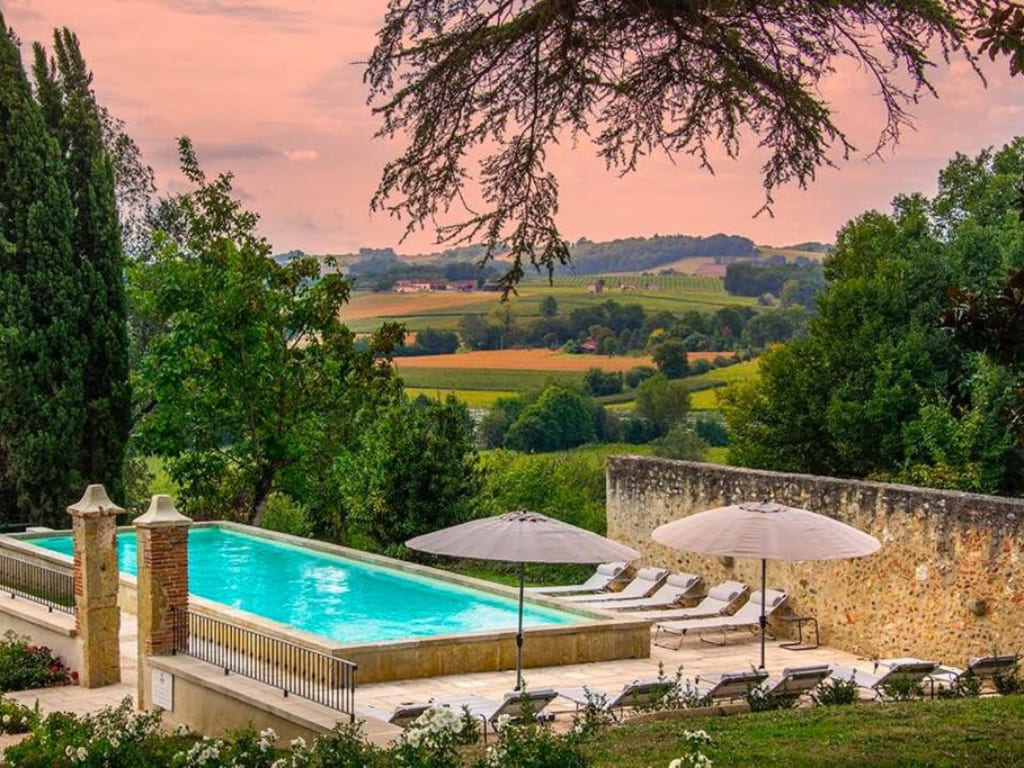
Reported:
(519, 634)
(764, 617)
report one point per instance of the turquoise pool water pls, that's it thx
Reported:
(345, 600)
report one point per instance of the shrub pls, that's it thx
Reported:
(24, 666)
(694, 757)
(712, 432)
(670, 357)
(634, 377)
(663, 402)
(532, 745)
(558, 420)
(16, 718)
(835, 692)
(762, 701)
(902, 688)
(1008, 683)
(681, 442)
(599, 383)
(285, 515)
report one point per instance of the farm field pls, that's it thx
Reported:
(474, 398)
(475, 379)
(443, 309)
(523, 359)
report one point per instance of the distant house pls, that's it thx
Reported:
(413, 286)
(589, 346)
(595, 287)
(463, 286)
(627, 286)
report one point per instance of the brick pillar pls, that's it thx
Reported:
(97, 617)
(162, 580)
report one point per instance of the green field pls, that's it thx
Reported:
(483, 379)
(675, 293)
(474, 398)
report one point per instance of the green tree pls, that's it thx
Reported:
(662, 402)
(250, 383)
(559, 419)
(600, 383)
(878, 388)
(681, 442)
(514, 78)
(413, 470)
(670, 357)
(64, 87)
(548, 306)
(42, 351)
(495, 423)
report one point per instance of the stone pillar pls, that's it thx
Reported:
(162, 580)
(97, 616)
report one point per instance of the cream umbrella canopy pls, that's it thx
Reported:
(766, 530)
(522, 537)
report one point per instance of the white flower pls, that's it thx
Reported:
(114, 742)
(677, 763)
(501, 722)
(82, 753)
(69, 751)
(298, 743)
(269, 734)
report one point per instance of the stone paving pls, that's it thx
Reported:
(694, 657)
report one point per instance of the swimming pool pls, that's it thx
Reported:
(343, 599)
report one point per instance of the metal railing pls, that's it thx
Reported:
(47, 586)
(293, 669)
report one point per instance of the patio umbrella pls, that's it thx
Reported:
(766, 530)
(522, 537)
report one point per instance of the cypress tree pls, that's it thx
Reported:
(64, 92)
(42, 351)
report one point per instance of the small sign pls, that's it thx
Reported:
(162, 689)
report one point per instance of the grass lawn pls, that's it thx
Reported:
(939, 734)
(717, 455)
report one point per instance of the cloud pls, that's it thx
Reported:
(22, 10)
(261, 12)
(302, 155)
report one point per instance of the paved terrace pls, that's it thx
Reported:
(695, 658)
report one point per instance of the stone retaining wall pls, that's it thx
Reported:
(948, 583)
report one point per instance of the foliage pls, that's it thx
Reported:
(754, 278)
(680, 442)
(773, 326)
(533, 745)
(284, 515)
(494, 425)
(670, 357)
(548, 306)
(878, 388)
(559, 419)
(24, 666)
(761, 700)
(569, 485)
(636, 376)
(64, 89)
(412, 470)
(835, 691)
(250, 382)
(16, 718)
(1008, 683)
(430, 341)
(42, 352)
(516, 78)
(694, 742)
(662, 402)
(712, 431)
(901, 688)
(599, 383)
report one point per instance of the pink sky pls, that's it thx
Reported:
(270, 89)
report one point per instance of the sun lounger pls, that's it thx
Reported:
(514, 704)
(729, 685)
(678, 586)
(638, 693)
(796, 681)
(605, 575)
(643, 584)
(980, 668)
(887, 671)
(747, 617)
(719, 601)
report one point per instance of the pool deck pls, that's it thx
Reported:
(695, 658)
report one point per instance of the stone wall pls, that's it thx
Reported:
(947, 584)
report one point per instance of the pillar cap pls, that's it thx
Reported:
(94, 503)
(161, 512)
